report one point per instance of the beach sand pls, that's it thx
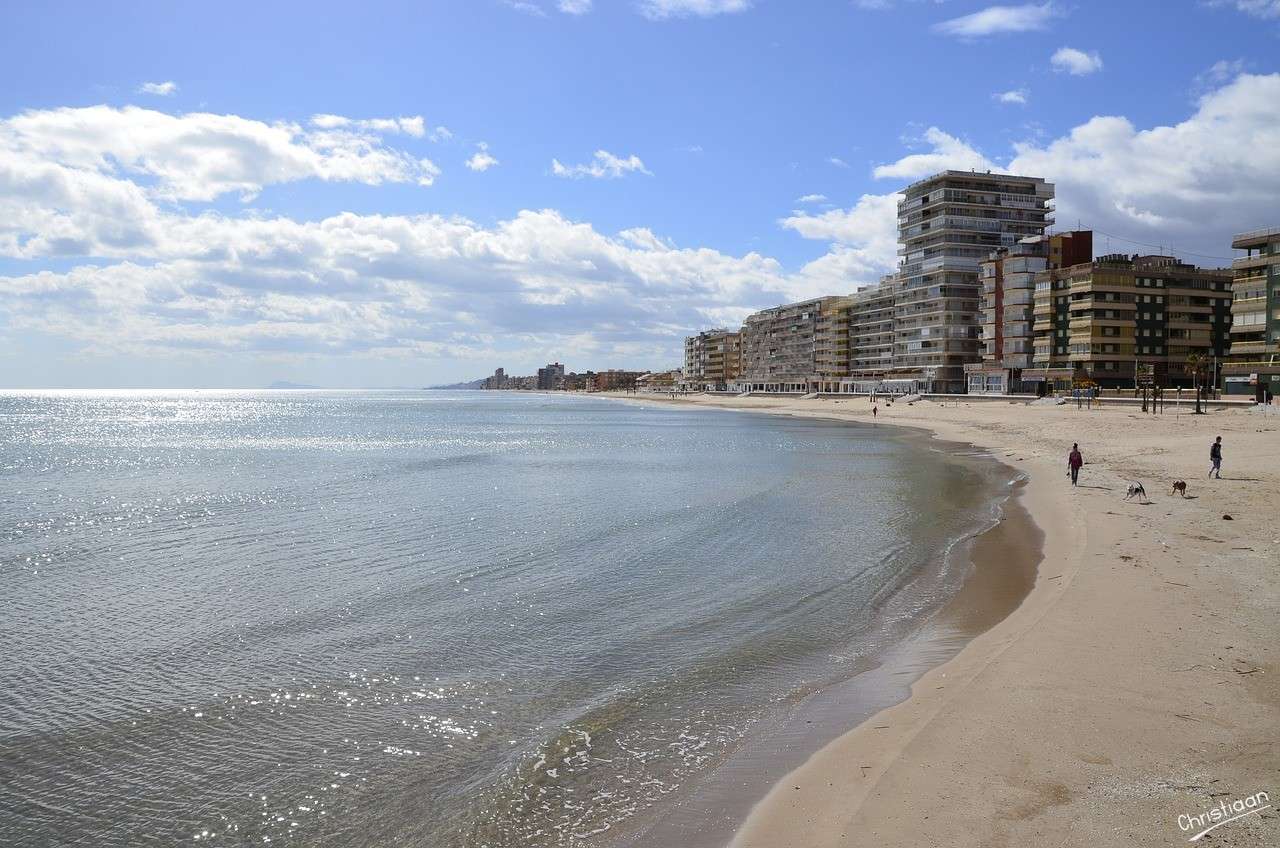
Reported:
(1138, 681)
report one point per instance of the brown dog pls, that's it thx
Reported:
(1179, 488)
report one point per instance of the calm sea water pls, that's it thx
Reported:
(433, 619)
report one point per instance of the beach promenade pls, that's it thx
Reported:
(1137, 686)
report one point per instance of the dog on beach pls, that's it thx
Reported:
(1136, 491)
(1179, 488)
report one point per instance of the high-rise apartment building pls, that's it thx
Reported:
(712, 359)
(799, 347)
(1008, 295)
(947, 224)
(1104, 320)
(551, 378)
(871, 331)
(1253, 366)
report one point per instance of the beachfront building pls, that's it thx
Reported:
(659, 381)
(712, 360)
(499, 380)
(800, 347)
(1118, 318)
(947, 224)
(615, 380)
(1008, 302)
(575, 382)
(871, 333)
(551, 378)
(1253, 366)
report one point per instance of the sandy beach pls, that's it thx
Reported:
(1134, 688)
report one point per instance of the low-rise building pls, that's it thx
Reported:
(659, 381)
(615, 380)
(1118, 318)
(1253, 364)
(575, 382)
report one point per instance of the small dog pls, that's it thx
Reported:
(1179, 488)
(1136, 491)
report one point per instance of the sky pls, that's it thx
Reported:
(407, 194)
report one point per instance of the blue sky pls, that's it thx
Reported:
(176, 209)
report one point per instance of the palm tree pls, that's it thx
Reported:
(1198, 364)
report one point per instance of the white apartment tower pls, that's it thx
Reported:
(947, 225)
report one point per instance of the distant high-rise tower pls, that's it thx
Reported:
(948, 224)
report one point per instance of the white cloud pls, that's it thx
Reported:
(1220, 165)
(869, 227)
(811, 198)
(1075, 62)
(948, 153)
(125, 269)
(574, 7)
(1188, 186)
(527, 8)
(837, 161)
(1016, 96)
(1216, 75)
(201, 156)
(481, 160)
(604, 165)
(414, 126)
(658, 10)
(160, 89)
(999, 19)
(1258, 8)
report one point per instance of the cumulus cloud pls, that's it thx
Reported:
(994, 20)
(865, 234)
(603, 165)
(837, 161)
(117, 265)
(414, 126)
(1016, 96)
(659, 10)
(947, 153)
(1156, 185)
(481, 160)
(200, 156)
(812, 198)
(1075, 62)
(160, 89)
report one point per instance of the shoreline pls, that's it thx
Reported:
(981, 752)
(997, 559)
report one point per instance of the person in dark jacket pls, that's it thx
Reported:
(1074, 460)
(1215, 458)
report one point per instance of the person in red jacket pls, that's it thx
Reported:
(1074, 460)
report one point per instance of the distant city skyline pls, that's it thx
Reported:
(414, 196)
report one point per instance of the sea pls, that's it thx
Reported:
(447, 619)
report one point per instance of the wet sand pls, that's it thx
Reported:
(1136, 682)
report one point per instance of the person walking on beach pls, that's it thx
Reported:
(1074, 460)
(1215, 458)
(875, 410)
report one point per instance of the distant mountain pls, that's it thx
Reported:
(474, 384)
(285, 384)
